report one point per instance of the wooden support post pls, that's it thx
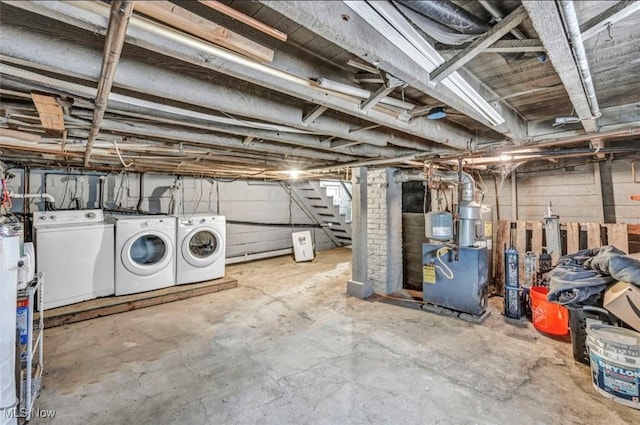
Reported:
(598, 186)
(593, 235)
(502, 239)
(618, 236)
(573, 237)
(521, 246)
(536, 238)
(514, 196)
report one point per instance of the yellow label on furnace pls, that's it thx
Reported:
(429, 274)
(488, 229)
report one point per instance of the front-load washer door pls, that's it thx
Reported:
(147, 253)
(203, 246)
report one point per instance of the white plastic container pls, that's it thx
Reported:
(615, 363)
(9, 254)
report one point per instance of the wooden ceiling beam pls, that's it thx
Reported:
(337, 23)
(501, 46)
(548, 23)
(498, 31)
(614, 14)
(309, 117)
(151, 36)
(245, 19)
(177, 17)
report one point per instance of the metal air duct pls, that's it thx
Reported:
(448, 14)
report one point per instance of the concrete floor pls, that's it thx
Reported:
(289, 347)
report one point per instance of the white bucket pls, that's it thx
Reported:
(615, 363)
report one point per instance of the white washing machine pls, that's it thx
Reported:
(75, 250)
(144, 252)
(201, 245)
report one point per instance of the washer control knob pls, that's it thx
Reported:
(90, 215)
(52, 217)
(146, 223)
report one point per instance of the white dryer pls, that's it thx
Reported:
(144, 252)
(74, 248)
(201, 248)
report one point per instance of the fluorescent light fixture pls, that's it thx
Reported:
(386, 19)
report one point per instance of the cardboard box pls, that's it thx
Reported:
(623, 300)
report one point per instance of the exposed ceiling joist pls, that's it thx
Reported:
(501, 46)
(166, 41)
(177, 17)
(514, 19)
(359, 38)
(547, 22)
(380, 93)
(313, 114)
(164, 83)
(614, 14)
(616, 118)
(164, 133)
(247, 20)
(250, 134)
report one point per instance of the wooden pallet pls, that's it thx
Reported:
(113, 305)
(530, 236)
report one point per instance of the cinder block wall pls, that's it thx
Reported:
(384, 231)
(572, 191)
(238, 200)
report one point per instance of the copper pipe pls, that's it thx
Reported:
(120, 13)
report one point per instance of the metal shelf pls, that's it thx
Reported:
(31, 353)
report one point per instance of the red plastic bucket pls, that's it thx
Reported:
(549, 318)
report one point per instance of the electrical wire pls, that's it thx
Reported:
(66, 187)
(445, 270)
(195, 208)
(211, 184)
(217, 197)
(124, 164)
(6, 199)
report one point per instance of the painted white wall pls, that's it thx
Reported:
(572, 192)
(239, 200)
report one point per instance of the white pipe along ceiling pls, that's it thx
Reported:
(357, 83)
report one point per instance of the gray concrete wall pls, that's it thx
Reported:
(573, 193)
(626, 210)
(240, 200)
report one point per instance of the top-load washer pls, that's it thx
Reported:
(201, 248)
(144, 252)
(75, 251)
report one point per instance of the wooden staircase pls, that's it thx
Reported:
(318, 206)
